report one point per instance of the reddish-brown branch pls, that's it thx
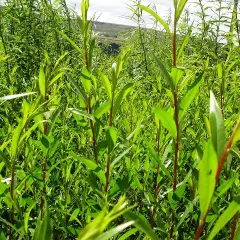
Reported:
(234, 224)
(225, 153)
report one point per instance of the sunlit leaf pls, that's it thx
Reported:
(207, 172)
(217, 126)
(226, 216)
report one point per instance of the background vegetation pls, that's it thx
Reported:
(139, 144)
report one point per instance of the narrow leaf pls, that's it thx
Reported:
(207, 172)
(42, 82)
(190, 95)
(141, 223)
(164, 72)
(226, 216)
(9, 97)
(167, 121)
(157, 17)
(217, 126)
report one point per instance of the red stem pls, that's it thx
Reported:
(234, 224)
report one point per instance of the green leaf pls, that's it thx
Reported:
(237, 233)
(189, 208)
(82, 113)
(111, 135)
(217, 126)
(180, 8)
(55, 78)
(157, 17)
(226, 216)
(236, 133)
(80, 91)
(15, 140)
(128, 234)
(74, 214)
(220, 72)
(117, 159)
(176, 74)
(190, 95)
(121, 96)
(42, 82)
(207, 172)
(167, 121)
(26, 217)
(70, 41)
(224, 187)
(107, 85)
(91, 165)
(141, 223)
(91, 49)
(185, 41)
(92, 229)
(9, 97)
(158, 161)
(103, 108)
(164, 72)
(44, 228)
(111, 233)
(86, 80)
(4, 159)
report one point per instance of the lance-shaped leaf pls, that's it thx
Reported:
(9, 97)
(107, 85)
(111, 135)
(103, 108)
(91, 165)
(157, 17)
(141, 223)
(15, 139)
(167, 121)
(217, 126)
(164, 72)
(207, 172)
(158, 161)
(184, 43)
(71, 42)
(112, 232)
(180, 8)
(44, 227)
(226, 216)
(237, 133)
(42, 82)
(121, 96)
(190, 95)
(86, 80)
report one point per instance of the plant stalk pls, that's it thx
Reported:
(219, 169)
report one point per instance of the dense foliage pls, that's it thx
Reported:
(142, 145)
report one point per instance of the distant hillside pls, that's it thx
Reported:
(113, 33)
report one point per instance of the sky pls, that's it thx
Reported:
(117, 11)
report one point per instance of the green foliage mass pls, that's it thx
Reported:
(143, 144)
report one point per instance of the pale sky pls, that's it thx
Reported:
(116, 11)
